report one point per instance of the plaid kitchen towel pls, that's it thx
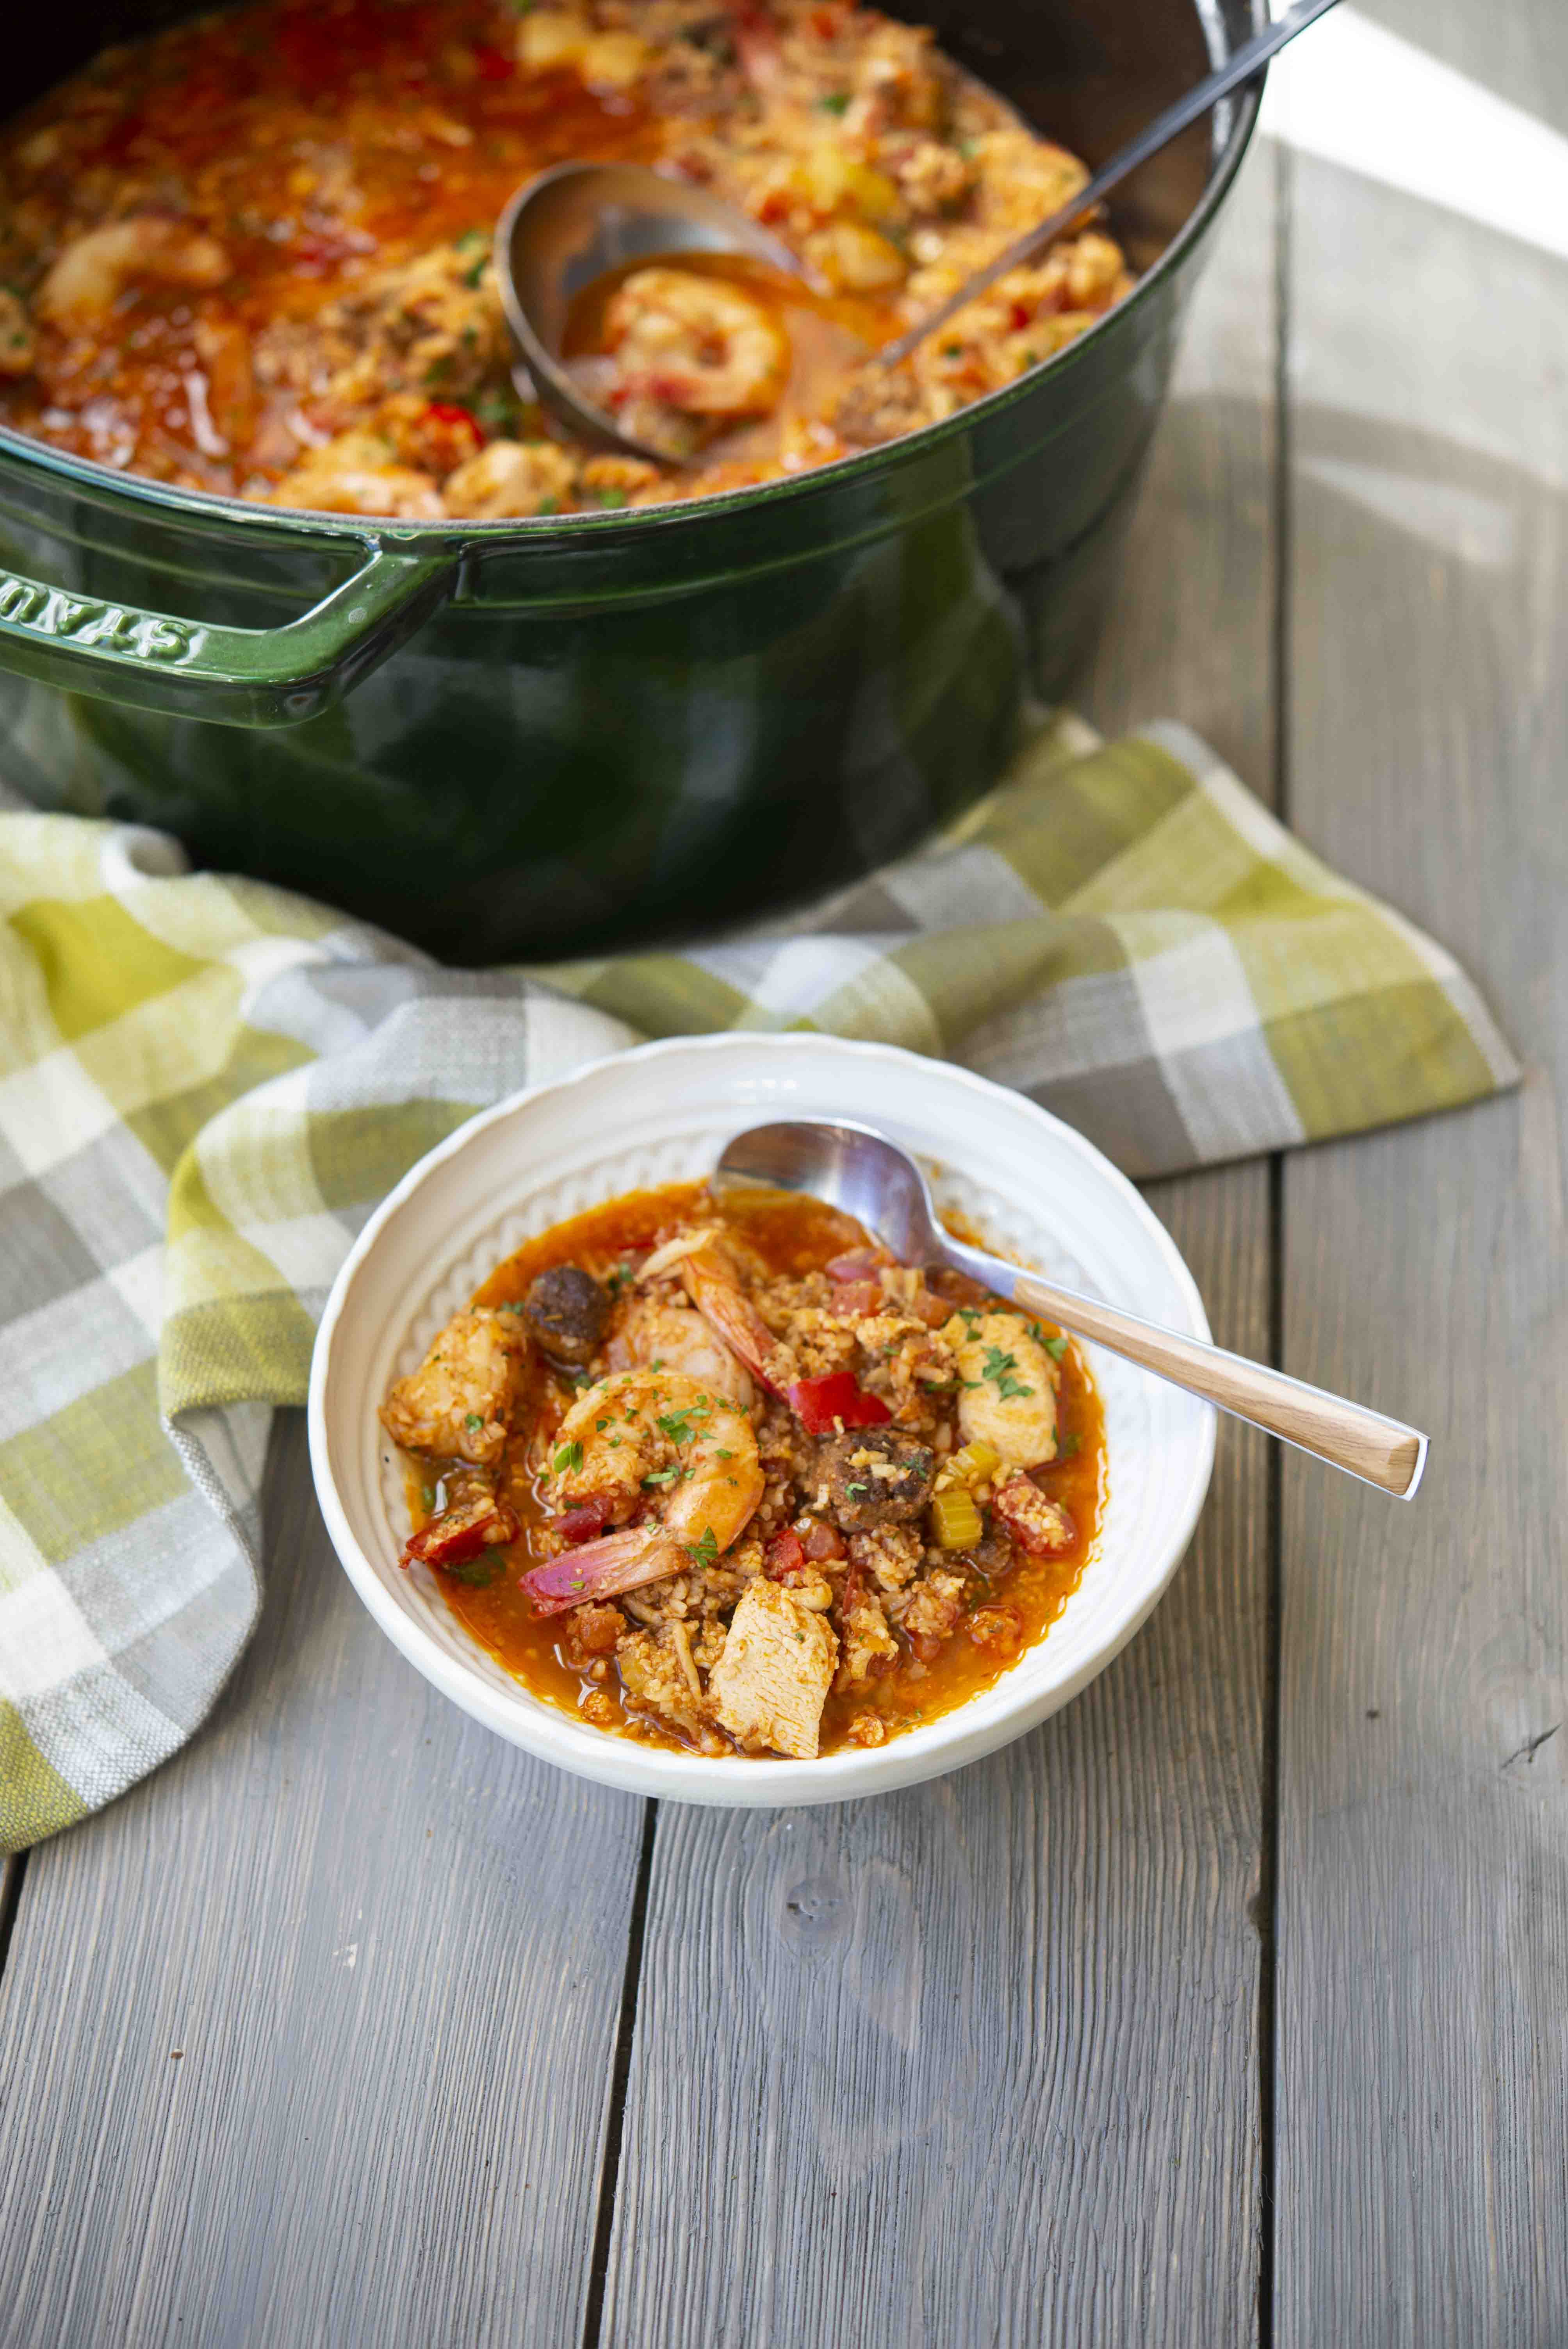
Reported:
(206, 1084)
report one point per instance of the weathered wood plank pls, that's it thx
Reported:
(1423, 1852)
(309, 2038)
(978, 2063)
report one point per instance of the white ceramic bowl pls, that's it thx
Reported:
(661, 1114)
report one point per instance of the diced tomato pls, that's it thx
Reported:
(856, 1263)
(824, 1541)
(824, 24)
(1022, 314)
(856, 1296)
(476, 1520)
(817, 1402)
(785, 1554)
(584, 1521)
(934, 1311)
(494, 64)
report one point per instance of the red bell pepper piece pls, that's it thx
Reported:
(786, 1554)
(817, 1402)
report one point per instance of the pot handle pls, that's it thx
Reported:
(236, 677)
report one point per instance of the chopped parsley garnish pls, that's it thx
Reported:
(661, 1476)
(678, 1424)
(836, 101)
(857, 1492)
(474, 245)
(427, 1496)
(1066, 1447)
(619, 1278)
(999, 1369)
(609, 498)
(474, 1420)
(568, 1459)
(548, 506)
(1055, 1347)
(496, 407)
(727, 1455)
(479, 1572)
(704, 1552)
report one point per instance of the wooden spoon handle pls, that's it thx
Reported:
(1380, 1451)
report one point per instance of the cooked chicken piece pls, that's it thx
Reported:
(567, 1308)
(456, 1404)
(771, 1682)
(1007, 1397)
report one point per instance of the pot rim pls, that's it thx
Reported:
(303, 523)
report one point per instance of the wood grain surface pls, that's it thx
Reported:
(308, 2039)
(978, 2063)
(1422, 2156)
(1231, 2005)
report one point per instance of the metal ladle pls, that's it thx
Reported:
(868, 1178)
(577, 221)
(574, 224)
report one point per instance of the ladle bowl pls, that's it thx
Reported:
(580, 222)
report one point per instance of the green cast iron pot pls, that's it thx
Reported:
(521, 739)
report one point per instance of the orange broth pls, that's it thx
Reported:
(792, 1235)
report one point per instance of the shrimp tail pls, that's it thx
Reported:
(725, 1306)
(597, 1569)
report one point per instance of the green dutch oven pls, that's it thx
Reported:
(520, 739)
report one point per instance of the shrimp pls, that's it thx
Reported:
(93, 269)
(709, 1279)
(667, 1336)
(1008, 1395)
(458, 1404)
(644, 1433)
(696, 344)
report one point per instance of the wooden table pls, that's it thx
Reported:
(1232, 2006)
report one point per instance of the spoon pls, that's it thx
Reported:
(1248, 60)
(866, 1176)
(571, 224)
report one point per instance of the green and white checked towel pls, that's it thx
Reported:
(206, 1085)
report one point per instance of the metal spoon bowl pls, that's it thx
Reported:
(867, 1177)
(574, 224)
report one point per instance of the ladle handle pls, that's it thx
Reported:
(1365, 1444)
